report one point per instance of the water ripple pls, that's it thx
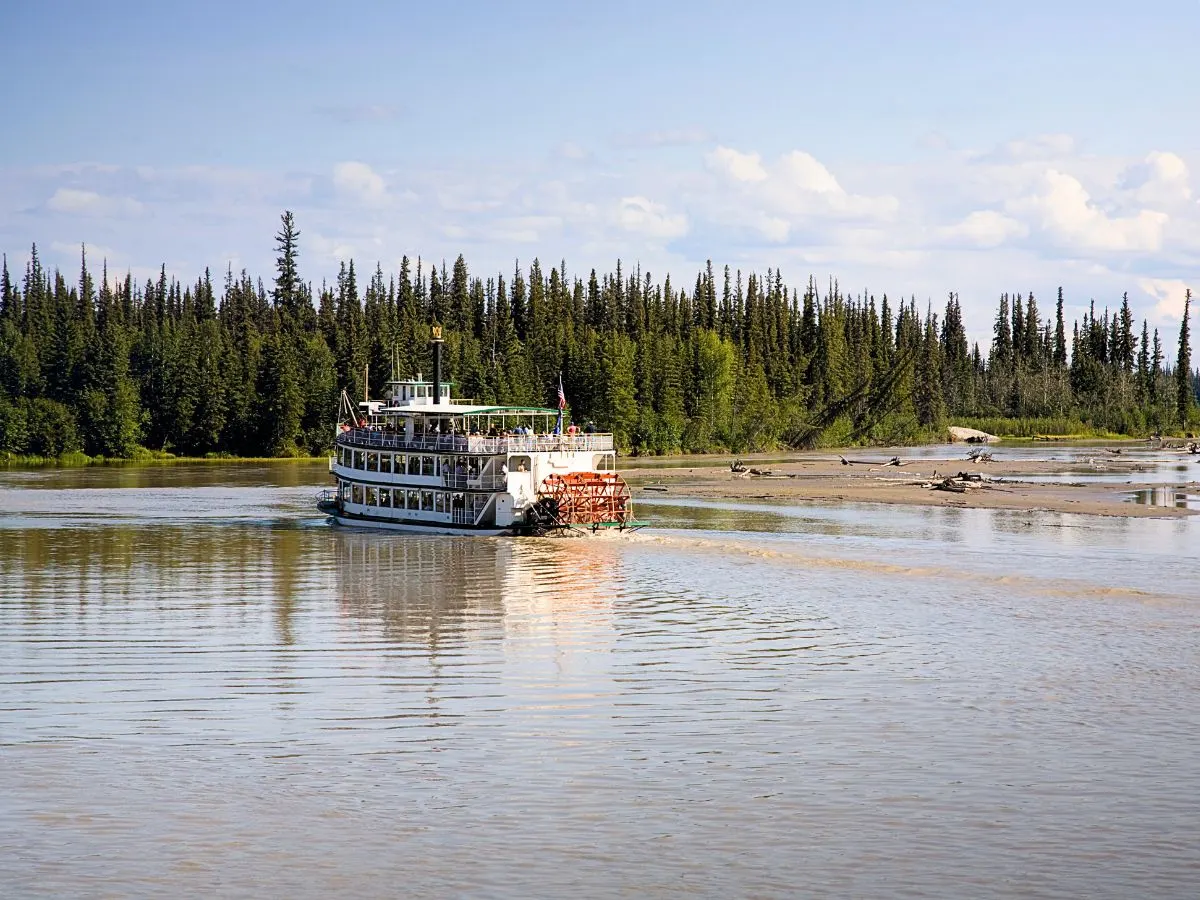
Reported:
(829, 702)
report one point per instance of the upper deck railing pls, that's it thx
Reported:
(475, 443)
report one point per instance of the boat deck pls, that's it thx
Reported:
(378, 438)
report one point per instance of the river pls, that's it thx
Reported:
(206, 690)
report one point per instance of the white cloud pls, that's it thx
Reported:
(795, 187)
(359, 183)
(90, 203)
(95, 253)
(736, 165)
(801, 170)
(987, 228)
(1065, 209)
(1039, 147)
(645, 217)
(525, 229)
(775, 229)
(1037, 214)
(572, 150)
(1161, 179)
(1170, 294)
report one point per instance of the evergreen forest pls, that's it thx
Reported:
(734, 361)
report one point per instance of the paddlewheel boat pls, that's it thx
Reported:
(422, 462)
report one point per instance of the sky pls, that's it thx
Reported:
(902, 149)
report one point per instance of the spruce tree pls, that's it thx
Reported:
(287, 295)
(1060, 334)
(1183, 367)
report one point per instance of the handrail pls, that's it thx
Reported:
(477, 444)
(457, 482)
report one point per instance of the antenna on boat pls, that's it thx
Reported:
(436, 341)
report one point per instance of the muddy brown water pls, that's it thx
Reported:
(206, 690)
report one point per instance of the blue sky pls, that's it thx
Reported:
(908, 149)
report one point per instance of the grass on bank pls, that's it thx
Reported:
(144, 457)
(838, 435)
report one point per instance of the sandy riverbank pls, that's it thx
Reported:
(821, 476)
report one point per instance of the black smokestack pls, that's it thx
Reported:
(437, 364)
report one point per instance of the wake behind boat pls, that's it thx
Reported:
(422, 462)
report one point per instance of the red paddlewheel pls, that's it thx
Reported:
(589, 498)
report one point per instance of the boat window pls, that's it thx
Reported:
(426, 465)
(385, 462)
(519, 464)
(427, 501)
(456, 501)
(357, 495)
(372, 497)
(372, 462)
(414, 500)
(440, 501)
(385, 497)
(344, 488)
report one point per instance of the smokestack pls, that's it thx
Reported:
(437, 363)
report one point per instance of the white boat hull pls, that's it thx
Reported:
(416, 528)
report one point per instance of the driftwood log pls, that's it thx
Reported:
(894, 461)
(952, 485)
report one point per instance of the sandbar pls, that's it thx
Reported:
(822, 477)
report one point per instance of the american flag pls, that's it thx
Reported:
(562, 398)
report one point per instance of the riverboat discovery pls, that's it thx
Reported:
(422, 462)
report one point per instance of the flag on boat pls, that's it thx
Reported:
(562, 404)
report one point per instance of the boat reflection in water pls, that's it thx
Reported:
(444, 591)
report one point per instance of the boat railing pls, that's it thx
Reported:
(538, 443)
(459, 482)
(477, 443)
(375, 437)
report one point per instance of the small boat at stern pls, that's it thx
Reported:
(422, 462)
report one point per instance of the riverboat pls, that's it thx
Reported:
(422, 462)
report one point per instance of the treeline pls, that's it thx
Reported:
(733, 361)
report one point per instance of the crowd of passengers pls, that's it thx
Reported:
(493, 432)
